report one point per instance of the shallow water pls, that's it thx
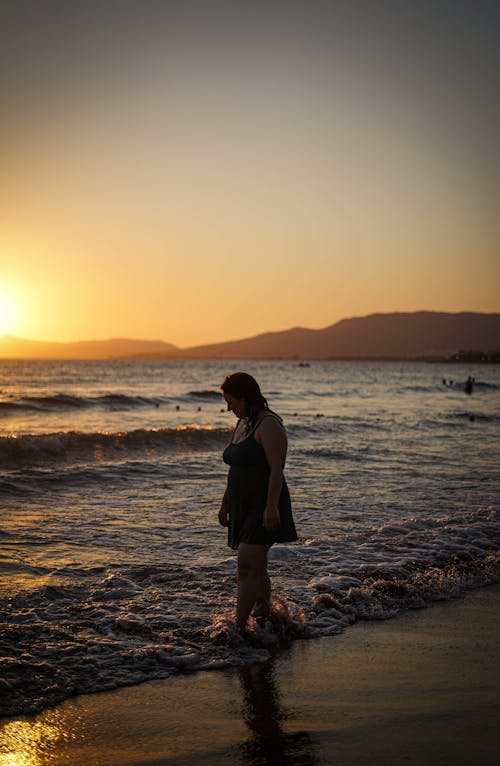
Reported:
(113, 567)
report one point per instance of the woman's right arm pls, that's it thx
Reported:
(223, 511)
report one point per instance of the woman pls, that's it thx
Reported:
(256, 505)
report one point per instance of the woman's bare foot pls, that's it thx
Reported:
(261, 610)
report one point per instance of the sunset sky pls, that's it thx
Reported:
(202, 171)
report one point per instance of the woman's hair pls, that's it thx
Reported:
(241, 385)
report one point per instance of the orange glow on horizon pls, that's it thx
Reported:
(183, 188)
(8, 311)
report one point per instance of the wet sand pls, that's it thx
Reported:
(423, 688)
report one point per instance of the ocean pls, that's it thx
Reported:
(113, 567)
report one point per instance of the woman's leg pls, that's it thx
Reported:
(263, 602)
(253, 580)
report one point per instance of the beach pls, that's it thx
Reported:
(420, 688)
(299, 566)
(117, 588)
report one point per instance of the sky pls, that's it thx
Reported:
(204, 171)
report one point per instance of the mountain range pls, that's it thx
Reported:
(421, 334)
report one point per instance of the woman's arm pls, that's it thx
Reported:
(272, 436)
(223, 511)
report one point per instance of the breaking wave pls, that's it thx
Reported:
(76, 445)
(109, 627)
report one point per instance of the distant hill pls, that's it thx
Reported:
(17, 348)
(399, 335)
(422, 334)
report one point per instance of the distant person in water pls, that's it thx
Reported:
(256, 506)
(469, 385)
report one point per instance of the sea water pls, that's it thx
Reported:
(113, 567)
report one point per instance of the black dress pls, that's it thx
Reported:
(246, 495)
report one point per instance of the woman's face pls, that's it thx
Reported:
(235, 405)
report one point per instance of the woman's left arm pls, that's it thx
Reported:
(272, 437)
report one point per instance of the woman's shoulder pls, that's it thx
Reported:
(270, 423)
(270, 415)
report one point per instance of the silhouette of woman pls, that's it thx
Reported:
(256, 506)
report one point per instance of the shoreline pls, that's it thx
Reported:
(423, 687)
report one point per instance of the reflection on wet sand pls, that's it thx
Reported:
(34, 742)
(263, 713)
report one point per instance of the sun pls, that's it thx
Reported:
(7, 312)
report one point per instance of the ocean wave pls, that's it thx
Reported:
(477, 385)
(98, 446)
(457, 419)
(63, 402)
(481, 384)
(403, 565)
(206, 393)
(457, 416)
(423, 389)
(16, 407)
(135, 623)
